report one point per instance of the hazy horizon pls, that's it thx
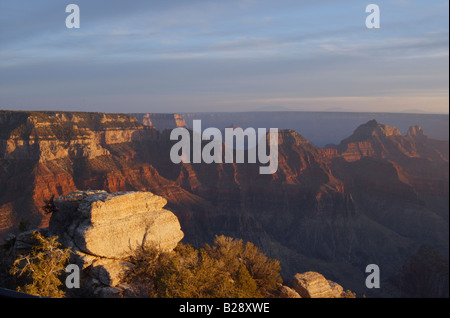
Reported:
(233, 56)
(417, 112)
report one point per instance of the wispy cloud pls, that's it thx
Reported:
(221, 53)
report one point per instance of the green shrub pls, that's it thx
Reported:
(39, 271)
(231, 253)
(228, 269)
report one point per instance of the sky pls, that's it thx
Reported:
(225, 55)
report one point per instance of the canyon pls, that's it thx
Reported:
(375, 197)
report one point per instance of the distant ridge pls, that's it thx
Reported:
(320, 128)
(161, 121)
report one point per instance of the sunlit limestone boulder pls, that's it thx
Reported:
(103, 229)
(111, 225)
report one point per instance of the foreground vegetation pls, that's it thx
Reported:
(38, 273)
(228, 268)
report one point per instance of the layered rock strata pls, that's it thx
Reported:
(103, 229)
(315, 285)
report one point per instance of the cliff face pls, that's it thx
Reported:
(372, 199)
(53, 153)
(46, 136)
(411, 151)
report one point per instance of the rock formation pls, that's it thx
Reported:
(161, 121)
(314, 285)
(103, 229)
(110, 225)
(415, 131)
(287, 292)
(46, 136)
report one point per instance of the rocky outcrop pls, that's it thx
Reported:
(46, 136)
(368, 140)
(376, 140)
(161, 121)
(23, 242)
(315, 285)
(287, 292)
(415, 131)
(110, 225)
(104, 228)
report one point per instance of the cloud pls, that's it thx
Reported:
(191, 54)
